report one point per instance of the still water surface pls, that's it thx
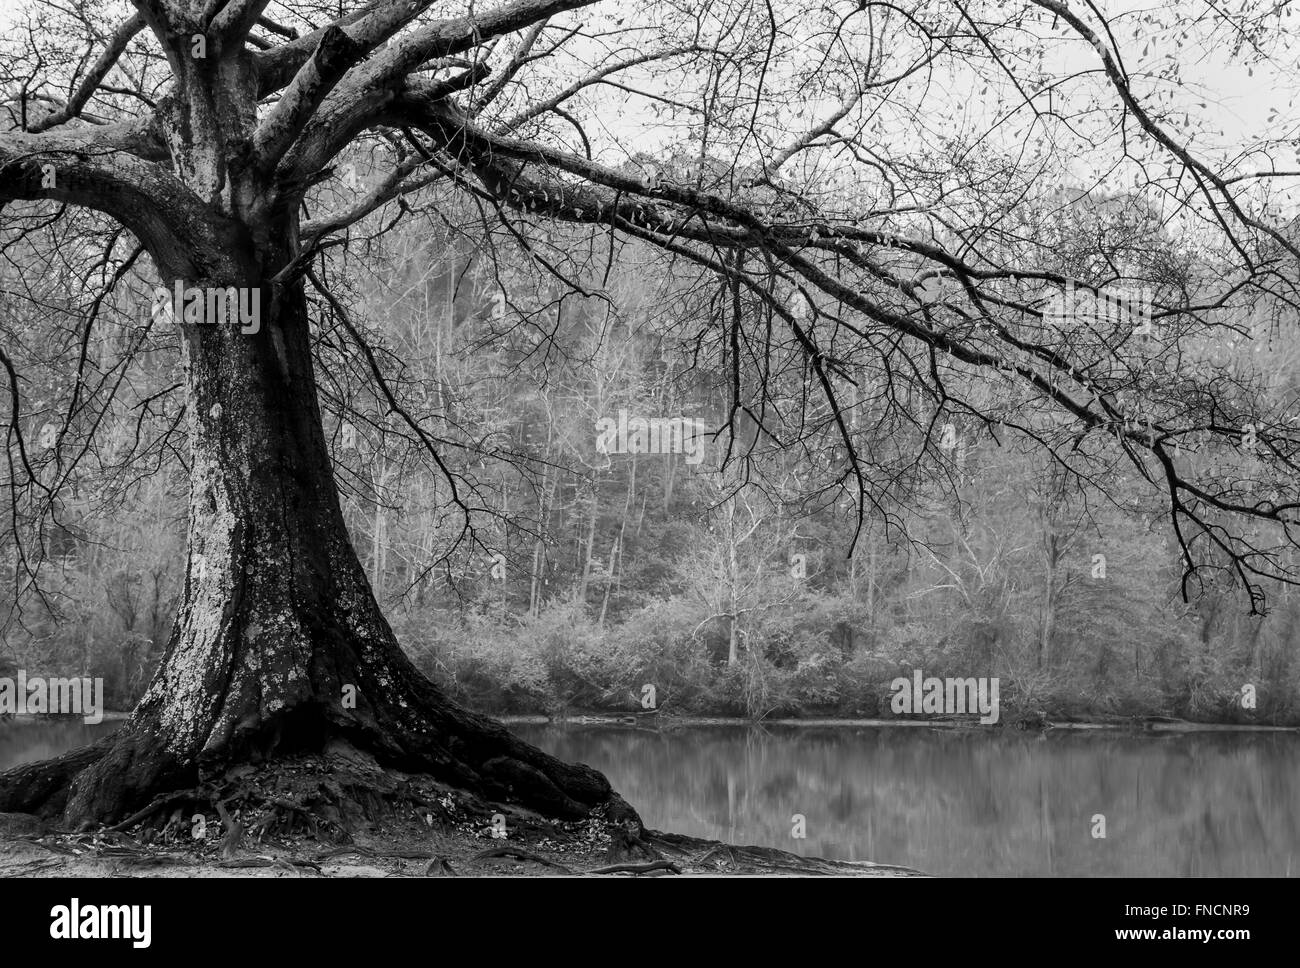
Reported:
(971, 802)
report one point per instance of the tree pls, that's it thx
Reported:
(224, 164)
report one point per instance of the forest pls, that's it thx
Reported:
(602, 565)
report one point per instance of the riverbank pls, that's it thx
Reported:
(413, 853)
(340, 814)
(668, 721)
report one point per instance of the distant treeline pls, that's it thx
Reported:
(592, 571)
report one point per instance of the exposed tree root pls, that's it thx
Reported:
(697, 854)
(35, 867)
(246, 862)
(41, 788)
(52, 848)
(518, 853)
(654, 865)
(129, 776)
(231, 820)
(440, 867)
(153, 807)
(296, 814)
(628, 846)
(155, 860)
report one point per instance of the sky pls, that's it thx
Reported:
(1231, 98)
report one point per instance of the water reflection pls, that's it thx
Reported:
(25, 739)
(968, 802)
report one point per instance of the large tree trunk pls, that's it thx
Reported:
(279, 645)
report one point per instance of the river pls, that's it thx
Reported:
(954, 802)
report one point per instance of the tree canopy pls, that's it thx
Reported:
(930, 218)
